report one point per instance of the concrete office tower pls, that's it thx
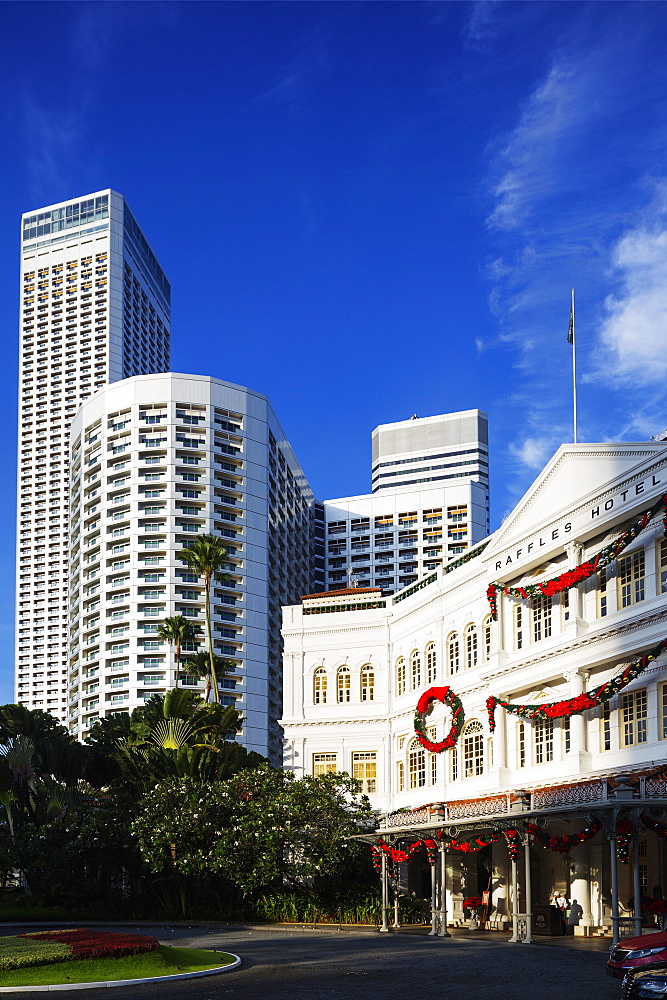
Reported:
(157, 461)
(430, 502)
(95, 308)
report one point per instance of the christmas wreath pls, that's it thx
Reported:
(447, 697)
(569, 579)
(574, 706)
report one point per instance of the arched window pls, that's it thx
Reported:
(430, 663)
(471, 646)
(453, 654)
(343, 684)
(473, 749)
(320, 686)
(400, 676)
(486, 637)
(415, 670)
(367, 683)
(416, 765)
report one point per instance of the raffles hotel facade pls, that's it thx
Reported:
(356, 663)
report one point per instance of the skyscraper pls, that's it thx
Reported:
(157, 462)
(95, 308)
(430, 502)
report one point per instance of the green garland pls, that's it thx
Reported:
(572, 577)
(575, 706)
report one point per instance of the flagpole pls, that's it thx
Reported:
(574, 372)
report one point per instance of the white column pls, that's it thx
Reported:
(580, 887)
(515, 899)
(442, 859)
(575, 551)
(529, 900)
(397, 921)
(636, 880)
(614, 888)
(385, 895)
(579, 758)
(434, 904)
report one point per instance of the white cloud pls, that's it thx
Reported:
(532, 155)
(52, 140)
(533, 452)
(482, 23)
(633, 336)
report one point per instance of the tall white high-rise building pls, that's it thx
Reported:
(95, 308)
(156, 462)
(430, 502)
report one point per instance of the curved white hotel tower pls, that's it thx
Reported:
(156, 461)
(95, 308)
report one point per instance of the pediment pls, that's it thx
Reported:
(576, 475)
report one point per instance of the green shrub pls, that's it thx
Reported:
(18, 953)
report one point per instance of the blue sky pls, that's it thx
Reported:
(366, 210)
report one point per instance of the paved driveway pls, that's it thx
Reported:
(316, 965)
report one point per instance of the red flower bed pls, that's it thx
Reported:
(99, 944)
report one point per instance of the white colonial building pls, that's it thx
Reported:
(356, 662)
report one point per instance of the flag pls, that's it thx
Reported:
(570, 329)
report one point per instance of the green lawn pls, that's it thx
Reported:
(163, 962)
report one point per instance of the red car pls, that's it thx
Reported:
(637, 953)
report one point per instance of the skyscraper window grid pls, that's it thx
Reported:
(77, 257)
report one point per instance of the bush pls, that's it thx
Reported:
(18, 953)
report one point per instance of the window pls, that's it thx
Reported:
(324, 763)
(567, 738)
(602, 593)
(454, 764)
(663, 712)
(367, 679)
(400, 776)
(415, 671)
(486, 638)
(453, 654)
(430, 663)
(364, 769)
(521, 744)
(473, 749)
(320, 686)
(605, 727)
(634, 718)
(416, 765)
(518, 626)
(343, 684)
(471, 646)
(630, 573)
(433, 768)
(565, 605)
(544, 742)
(541, 614)
(662, 566)
(400, 676)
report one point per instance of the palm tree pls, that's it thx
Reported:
(205, 557)
(176, 631)
(199, 665)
